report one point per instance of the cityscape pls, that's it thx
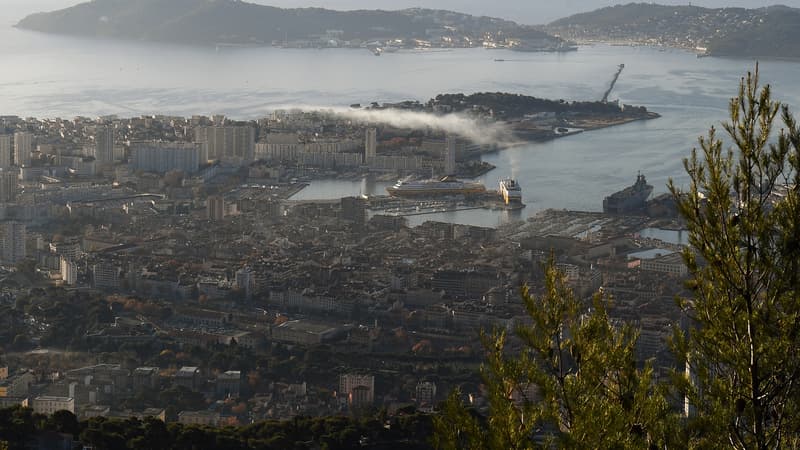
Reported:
(183, 281)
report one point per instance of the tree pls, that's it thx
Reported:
(573, 382)
(63, 422)
(742, 210)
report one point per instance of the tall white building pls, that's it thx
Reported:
(162, 157)
(104, 144)
(231, 143)
(69, 271)
(23, 146)
(370, 144)
(6, 151)
(9, 182)
(450, 155)
(12, 242)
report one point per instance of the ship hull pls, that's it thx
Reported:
(432, 192)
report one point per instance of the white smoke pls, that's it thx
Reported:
(475, 130)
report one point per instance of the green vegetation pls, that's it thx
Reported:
(572, 381)
(770, 32)
(576, 367)
(19, 425)
(202, 22)
(515, 106)
(742, 210)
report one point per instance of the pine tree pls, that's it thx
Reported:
(742, 209)
(573, 384)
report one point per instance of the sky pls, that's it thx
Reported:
(523, 11)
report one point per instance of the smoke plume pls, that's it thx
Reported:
(477, 131)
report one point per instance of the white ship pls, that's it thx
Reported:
(431, 188)
(510, 190)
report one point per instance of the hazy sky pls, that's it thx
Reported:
(524, 11)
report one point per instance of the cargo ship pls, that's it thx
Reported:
(434, 188)
(510, 190)
(631, 199)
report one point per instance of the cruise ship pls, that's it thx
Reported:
(433, 188)
(510, 190)
(631, 199)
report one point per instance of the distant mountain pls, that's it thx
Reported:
(771, 32)
(205, 22)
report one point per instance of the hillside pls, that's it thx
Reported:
(204, 22)
(763, 32)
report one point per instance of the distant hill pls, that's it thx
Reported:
(770, 32)
(205, 22)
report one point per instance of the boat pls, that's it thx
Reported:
(631, 199)
(432, 188)
(511, 191)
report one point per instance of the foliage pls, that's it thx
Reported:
(742, 350)
(573, 383)
(514, 106)
(19, 425)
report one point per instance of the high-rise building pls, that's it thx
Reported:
(426, 393)
(450, 155)
(105, 276)
(246, 281)
(162, 157)
(370, 144)
(9, 182)
(215, 208)
(23, 146)
(358, 389)
(104, 144)
(354, 209)
(6, 151)
(69, 271)
(12, 242)
(232, 143)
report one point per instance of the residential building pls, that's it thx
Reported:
(188, 377)
(426, 393)
(246, 281)
(105, 276)
(207, 418)
(671, 264)
(12, 242)
(145, 378)
(162, 157)
(6, 151)
(227, 143)
(23, 146)
(17, 385)
(229, 383)
(9, 185)
(104, 144)
(215, 207)
(358, 389)
(69, 272)
(49, 404)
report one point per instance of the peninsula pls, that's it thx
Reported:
(770, 32)
(234, 22)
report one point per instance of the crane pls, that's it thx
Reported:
(620, 68)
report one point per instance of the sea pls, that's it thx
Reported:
(50, 76)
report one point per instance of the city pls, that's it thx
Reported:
(227, 224)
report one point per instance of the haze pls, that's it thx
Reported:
(523, 11)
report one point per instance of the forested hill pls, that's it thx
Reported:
(770, 32)
(237, 22)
